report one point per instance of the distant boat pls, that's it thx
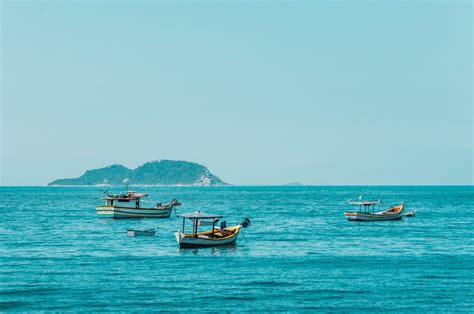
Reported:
(221, 235)
(369, 213)
(112, 210)
(146, 232)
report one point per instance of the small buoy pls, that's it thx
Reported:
(245, 223)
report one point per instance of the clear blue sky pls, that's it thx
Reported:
(261, 93)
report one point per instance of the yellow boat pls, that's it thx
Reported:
(221, 235)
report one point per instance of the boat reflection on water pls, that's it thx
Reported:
(225, 250)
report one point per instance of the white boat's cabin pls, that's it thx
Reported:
(130, 196)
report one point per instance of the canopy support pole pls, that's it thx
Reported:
(195, 226)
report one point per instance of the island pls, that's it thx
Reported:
(160, 173)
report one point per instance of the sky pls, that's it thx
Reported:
(262, 93)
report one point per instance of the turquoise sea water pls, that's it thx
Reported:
(299, 254)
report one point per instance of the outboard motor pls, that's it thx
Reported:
(245, 223)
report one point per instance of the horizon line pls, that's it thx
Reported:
(244, 185)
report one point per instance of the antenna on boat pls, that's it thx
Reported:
(126, 181)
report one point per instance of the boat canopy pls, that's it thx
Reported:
(199, 215)
(365, 203)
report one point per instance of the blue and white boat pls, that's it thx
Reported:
(369, 213)
(118, 206)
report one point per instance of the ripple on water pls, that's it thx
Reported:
(298, 255)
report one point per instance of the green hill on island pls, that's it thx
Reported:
(164, 172)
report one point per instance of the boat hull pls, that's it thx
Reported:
(203, 240)
(394, 213)
(145, 233)
(131, 212)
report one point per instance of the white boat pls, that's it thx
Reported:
(222, 235)
(369, 213)
(410, 213)
(112, 210)
(146, 232)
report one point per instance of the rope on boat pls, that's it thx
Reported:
(243, 234)
(244, 224)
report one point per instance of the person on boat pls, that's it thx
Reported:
(158, 205)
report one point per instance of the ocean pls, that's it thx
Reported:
(299, 254)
